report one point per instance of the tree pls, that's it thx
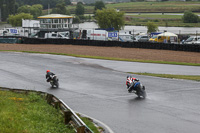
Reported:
(7, 7)
(79, 9)
(35, 10)
(110, 18)
(76, 20)
(190, 17)
(99, 5)
(16, 20)
(11, 6)
(61, 8)
(67, 2)
(151, 27)
(24, 9)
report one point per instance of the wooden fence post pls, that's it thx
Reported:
(81, 129)
(49, 98)
(67, 115)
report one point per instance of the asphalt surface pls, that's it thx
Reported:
(97, 88)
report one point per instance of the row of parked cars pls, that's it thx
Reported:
(168, 38)
(165, 37)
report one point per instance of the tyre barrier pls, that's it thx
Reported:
(9, 40)
(70, 116)
(145, 45)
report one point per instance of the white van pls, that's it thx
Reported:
(55, 35)
(191, 40)
(141, 38)
(91, 34)
(125, 37)
(9, 32)
(3, 32)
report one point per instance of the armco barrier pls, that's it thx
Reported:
(146, 45)
(69, 115)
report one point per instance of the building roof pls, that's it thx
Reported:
(51, 16)
(167, 34)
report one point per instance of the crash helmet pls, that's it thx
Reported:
(48, 71)
(129, 76)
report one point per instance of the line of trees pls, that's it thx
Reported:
(44, 3)
(7, 7)
(10, 7)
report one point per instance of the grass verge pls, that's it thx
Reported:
(187, 77)
(30, 113)
(90, 124)
(111, 58)
(22, 113)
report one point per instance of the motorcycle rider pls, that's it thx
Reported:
(49, 75)
(130, 82)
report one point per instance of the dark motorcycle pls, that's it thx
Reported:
(54, 81)
(137, 88)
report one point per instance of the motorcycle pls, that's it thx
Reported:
(54, 81)
(136, 87)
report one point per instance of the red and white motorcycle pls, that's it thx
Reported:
(134, 86)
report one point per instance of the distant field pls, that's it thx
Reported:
(168, 6)
(165, 19)
(138, 13)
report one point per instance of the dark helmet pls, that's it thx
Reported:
(48, 71)
(129, 76)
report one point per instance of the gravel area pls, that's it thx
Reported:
(116, 52)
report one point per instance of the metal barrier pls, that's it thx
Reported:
(70, 116)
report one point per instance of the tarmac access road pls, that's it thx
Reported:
(97, 88)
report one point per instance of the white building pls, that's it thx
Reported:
(56, 21)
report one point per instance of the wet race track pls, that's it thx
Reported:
(97, 89)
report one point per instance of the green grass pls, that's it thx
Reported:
(111, 58)
(155, 16)
(168, 6)
(146, 7)
(159, 20)
(187, 77)
(22, 113)
(90, 124)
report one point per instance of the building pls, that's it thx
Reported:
(55, 23)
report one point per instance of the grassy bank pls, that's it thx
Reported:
(187, 77)
(29, 114)
(22, 113)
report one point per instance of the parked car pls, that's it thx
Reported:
(197, 42)
(125, 37)
(141, 38)
(191, 40)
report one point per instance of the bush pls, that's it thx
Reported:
(190, 17)
(16, 20)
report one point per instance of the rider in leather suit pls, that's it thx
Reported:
(130, 82)
(49, 75)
